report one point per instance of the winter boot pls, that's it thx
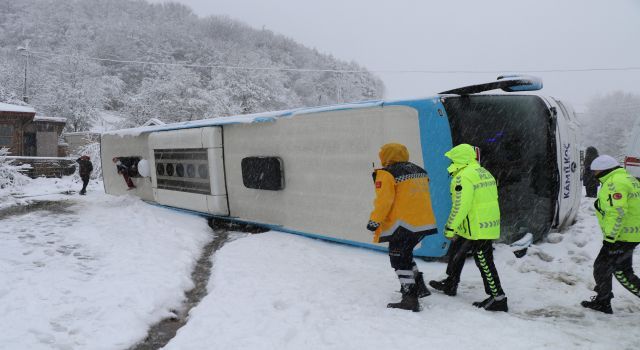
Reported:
(423, 291)
(492, 303)
(598, 304)
(409, 299)
(446, 286)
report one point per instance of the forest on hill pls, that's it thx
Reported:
(140, 60)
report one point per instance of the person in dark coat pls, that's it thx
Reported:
(589, 180)
(123, 166)
(86, 167)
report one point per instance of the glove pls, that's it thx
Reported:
(372, 226)
(449, 232)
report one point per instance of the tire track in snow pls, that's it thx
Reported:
(161, 333)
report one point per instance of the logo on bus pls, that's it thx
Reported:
(566, 166)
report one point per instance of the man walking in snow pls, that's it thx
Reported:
(86, 167)
(618, 212)
(402, 216)
(473, 224)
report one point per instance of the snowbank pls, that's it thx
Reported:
(95, 274)
(11, 178)
(278, 291)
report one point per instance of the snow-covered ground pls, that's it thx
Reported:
(278, 291)
(94, 274)
(97, 273)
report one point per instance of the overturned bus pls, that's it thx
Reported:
(308, 171)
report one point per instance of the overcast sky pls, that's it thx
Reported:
(489, 35)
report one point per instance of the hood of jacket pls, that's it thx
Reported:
(393, 153)
(461, 156)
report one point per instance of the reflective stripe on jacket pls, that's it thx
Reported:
(475, 212)
(402, 199)
(618, 207)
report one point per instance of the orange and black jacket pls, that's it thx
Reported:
(402, 200)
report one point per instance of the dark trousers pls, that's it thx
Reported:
(482, 251)
(85, 182)
(127, 179)
(401, 245)
(615, 259)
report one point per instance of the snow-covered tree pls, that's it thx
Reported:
(93, 151)
(75, 90)
(10, 175)
(609, 120)
(85, 56)
(171, 94)
(11, 80)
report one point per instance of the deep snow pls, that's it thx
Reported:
(97, 274)
(94, 275)
(278, 291)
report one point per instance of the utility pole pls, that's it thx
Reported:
(25, 51)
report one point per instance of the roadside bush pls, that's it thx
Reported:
(10, 176)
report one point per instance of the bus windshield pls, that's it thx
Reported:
(516, 138)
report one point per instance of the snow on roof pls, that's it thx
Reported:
(5, 107)
(243, 119)
(153, 121)
(42, 118)
(80, 133)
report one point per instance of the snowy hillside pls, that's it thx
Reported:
(143, 60)
(86, 273)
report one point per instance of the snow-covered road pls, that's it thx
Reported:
(288, 292)
(96, 273)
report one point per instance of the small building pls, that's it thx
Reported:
(76, 141)
(13, 120)
(47, 135)
(29, 135)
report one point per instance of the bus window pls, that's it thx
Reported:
(516, 140)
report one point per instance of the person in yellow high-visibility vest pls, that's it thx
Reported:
(402, 216)
(618, 212)
(473, 224)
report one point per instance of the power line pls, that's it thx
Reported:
(214, 66)
(351, 71)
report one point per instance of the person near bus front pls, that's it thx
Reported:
(473, 224)
(124, 169)
(403, 216)
(589, 180)
(618, 212)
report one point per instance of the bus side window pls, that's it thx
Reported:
(263, 173)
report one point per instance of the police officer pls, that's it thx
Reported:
(618, 212)
(402, 216)
(474, 222)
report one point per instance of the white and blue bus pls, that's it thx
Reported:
(308, 171)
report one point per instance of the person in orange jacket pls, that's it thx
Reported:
(402, 216)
